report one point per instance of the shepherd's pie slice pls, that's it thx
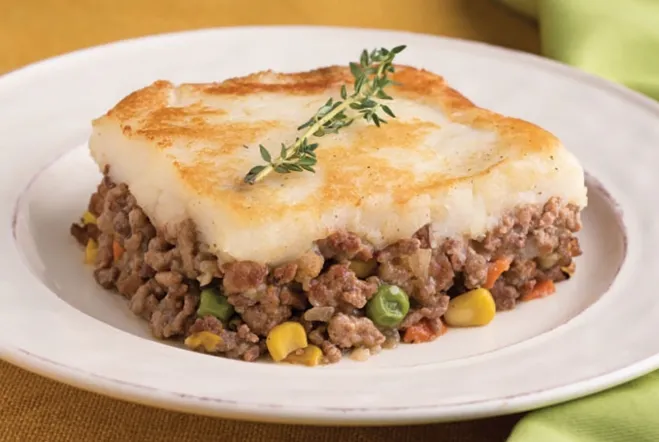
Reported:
(446, 200)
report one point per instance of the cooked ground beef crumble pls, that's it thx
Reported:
(162, 272)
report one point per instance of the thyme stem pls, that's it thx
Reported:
(371, 78)
(288, 152)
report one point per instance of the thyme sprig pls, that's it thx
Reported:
(371, 77)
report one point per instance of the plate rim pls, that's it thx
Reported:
(315, 416)
(139, 394)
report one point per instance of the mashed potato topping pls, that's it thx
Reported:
(182, 152)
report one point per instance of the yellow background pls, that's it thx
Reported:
(32, 408)
(35, 29)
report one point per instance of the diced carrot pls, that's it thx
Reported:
(495, 270)
(541, 289)
(117, 250)
(417, 333)
(422, 331)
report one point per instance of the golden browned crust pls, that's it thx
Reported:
(160, 123)
(417, 84)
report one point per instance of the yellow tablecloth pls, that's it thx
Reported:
(36, 409)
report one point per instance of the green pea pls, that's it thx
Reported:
(214, 304)
(388, 306)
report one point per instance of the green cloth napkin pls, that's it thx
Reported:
(616, 39)
(629, 413)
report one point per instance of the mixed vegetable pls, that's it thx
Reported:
(88, 218)
(210, 342)
(285, 339)
(212, 303)
(422, 331)
(117, 250)
(91, 250)
(387, 308)
(495, 270)
(472, 309)
(541, 289)
(310, 355)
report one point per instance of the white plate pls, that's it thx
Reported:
(597, 331)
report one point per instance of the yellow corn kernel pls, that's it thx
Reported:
(284, 339)
(91, 251)
(471, 309)
(363, 269)
(88, 218)
(310, 355)
(209, 341)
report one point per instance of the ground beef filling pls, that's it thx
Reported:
(161, 273)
